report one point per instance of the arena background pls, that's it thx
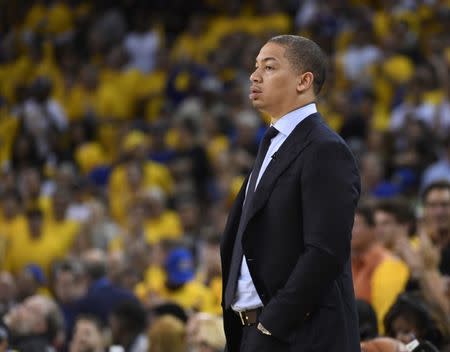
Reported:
(126, 131)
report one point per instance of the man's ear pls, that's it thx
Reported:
(305, 82)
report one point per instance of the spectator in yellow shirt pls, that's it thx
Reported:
(137, 174)
(161, 223)
(62, 231)
(33, 246)
(378, 276)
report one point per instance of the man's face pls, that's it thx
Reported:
(35, 225)
(274, 81)
(65, 286)
(437, 209)
(386, 227)
(87, 337)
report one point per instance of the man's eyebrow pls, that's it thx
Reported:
(267, 59)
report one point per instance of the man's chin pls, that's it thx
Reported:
(257, 104)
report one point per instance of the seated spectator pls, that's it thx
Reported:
(205, 333)
(410, 318)
(128, 322)
(68, 287)
(88, 335)
(36, 325)
(167, 334)
(393, 222)
(436, 214)
(378, 276)
(169, 308)
(102, 296)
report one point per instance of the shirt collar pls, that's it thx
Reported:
(288, 122)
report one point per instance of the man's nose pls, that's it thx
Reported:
(255, 76)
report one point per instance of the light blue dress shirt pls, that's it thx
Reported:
(246, 295)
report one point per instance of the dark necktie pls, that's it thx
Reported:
(236, 258)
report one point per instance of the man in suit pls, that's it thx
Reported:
(287, 282)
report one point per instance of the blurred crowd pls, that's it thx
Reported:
(126, 132)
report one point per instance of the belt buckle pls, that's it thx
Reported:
(244, 318)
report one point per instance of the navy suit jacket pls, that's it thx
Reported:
(297, 245)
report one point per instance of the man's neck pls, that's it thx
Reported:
(278, 116)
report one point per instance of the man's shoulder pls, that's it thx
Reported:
(322, 133)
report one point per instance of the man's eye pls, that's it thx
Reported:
(269, 68)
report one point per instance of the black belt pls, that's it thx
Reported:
(249, 317)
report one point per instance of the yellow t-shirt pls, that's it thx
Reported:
(24, 250)
(193, 295)
(62, 234)
(166, 226)
(388, 281)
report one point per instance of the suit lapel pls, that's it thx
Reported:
(292, 146)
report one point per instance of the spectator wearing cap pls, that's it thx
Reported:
(378, 276)
(180, 285)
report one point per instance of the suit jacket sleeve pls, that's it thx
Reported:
(330, 190)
